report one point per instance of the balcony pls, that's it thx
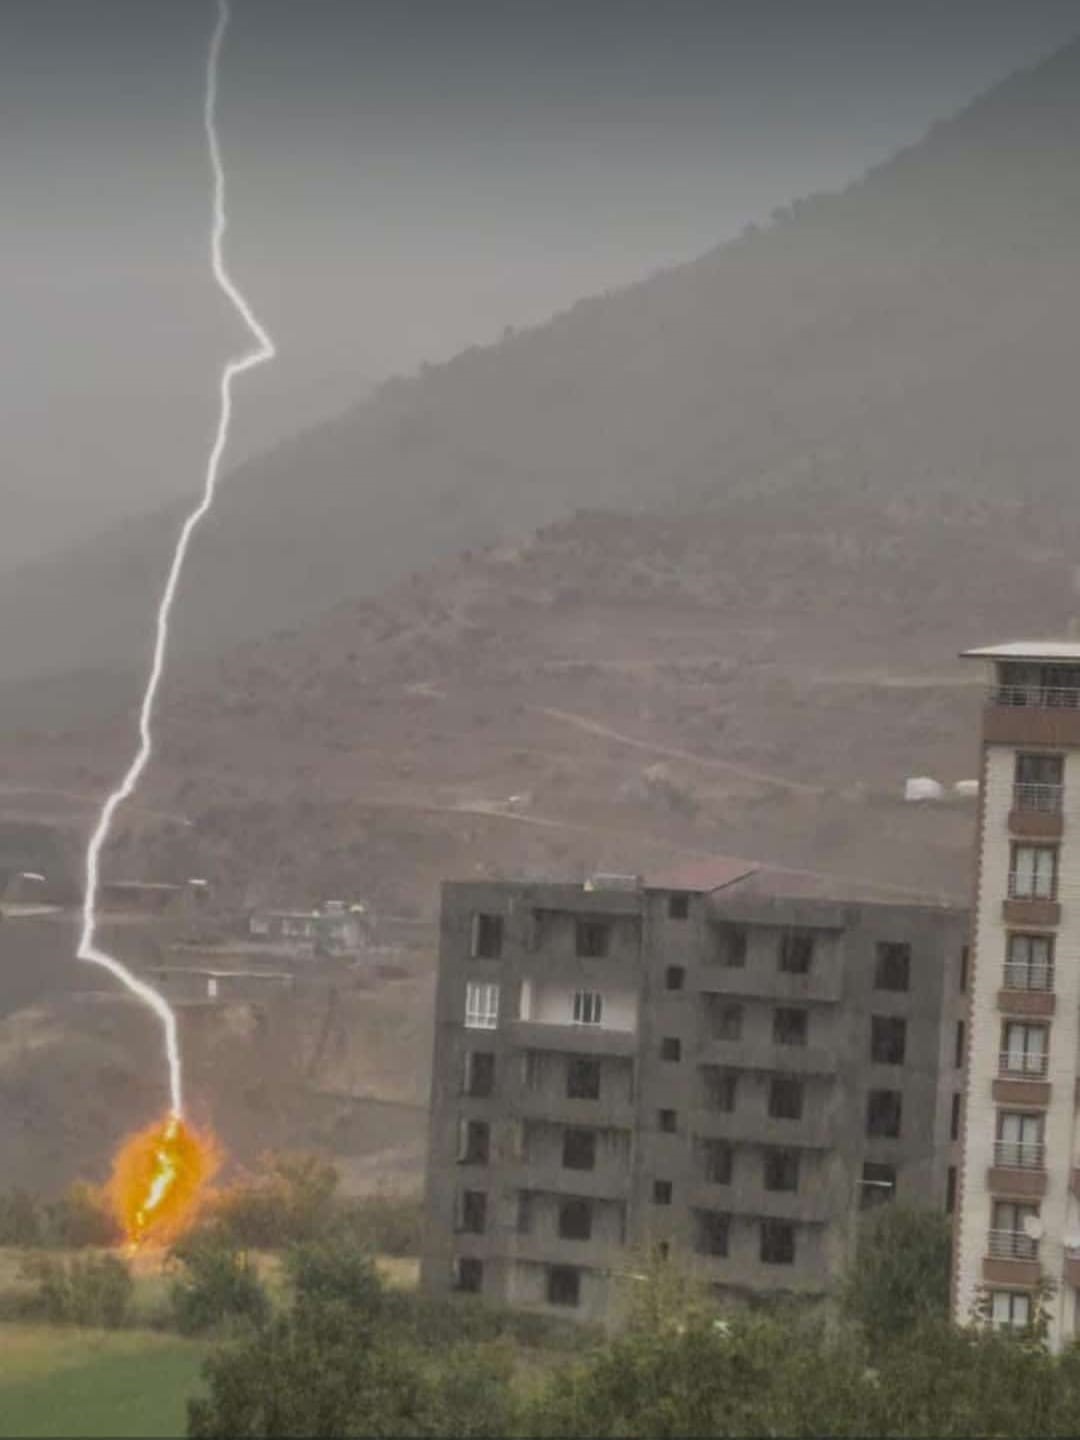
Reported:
(1036, 811)
(573, 1039)
(1012, 1245)
(1032, 715)
(751, 1125)
(1012, 1258)
(1021, 1078)
(614, 1112)
(1026, 906)
(1027, 994)
(1018, 1169)
(766, 1056)
(1038, 975)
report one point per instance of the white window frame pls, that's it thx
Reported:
(481, 1005)
(1004, 1305)
(1035, 872)
(588, 1007)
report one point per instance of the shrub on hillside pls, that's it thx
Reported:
(92, 1290)
(218, 1285)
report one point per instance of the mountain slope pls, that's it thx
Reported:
(907, 343)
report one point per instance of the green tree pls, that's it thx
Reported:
(901, 1273)
(218, 1284)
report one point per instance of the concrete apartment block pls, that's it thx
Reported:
(1018, 1219)
(722, 1068)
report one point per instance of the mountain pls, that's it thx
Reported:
(905, 346)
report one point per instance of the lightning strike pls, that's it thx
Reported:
(166, 1167)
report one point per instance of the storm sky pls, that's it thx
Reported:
(406, 177)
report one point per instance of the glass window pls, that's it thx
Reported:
(481, 1005)
(785, 1098)
(1010, 1309)
(1034, 872)
(1019, 1140)
(1023, 1048)
(1029, 962)
(883, 1108)
(588, 1007)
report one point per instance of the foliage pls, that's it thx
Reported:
(80, 1218)
(388, 1221)
(92, 1290)
(292, 1199)
(218, 1285)
(901, 1275)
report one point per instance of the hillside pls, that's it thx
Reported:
(908, 342)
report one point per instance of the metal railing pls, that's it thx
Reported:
(1018, 1155)
(1012, 1245)
(1036, 975)
(1023, 885)
(1039, 697)
(1031, 1064)
(1030, 796)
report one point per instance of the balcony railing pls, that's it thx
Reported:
(1018, 1155)
(1025, 886)
(1012, 1245)
(1046, 799)
(1039, 697)
(1030, 1064)
(1038, 975)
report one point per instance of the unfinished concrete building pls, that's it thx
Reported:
(723, 1067)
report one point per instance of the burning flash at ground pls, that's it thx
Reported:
(159, 1180)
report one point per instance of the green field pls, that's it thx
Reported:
(57, 1381)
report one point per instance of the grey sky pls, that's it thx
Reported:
(405, 178)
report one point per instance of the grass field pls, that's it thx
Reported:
(57, 1381)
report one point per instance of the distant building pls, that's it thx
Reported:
(334, 929)
(1018, 1224)
(705, 1062)
(152, 897)
(205, 985)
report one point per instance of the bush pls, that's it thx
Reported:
(95, 1290)
(293, 1200)
(387, 1222)
(219, 1285)
(20, 1220)
(901, 1274)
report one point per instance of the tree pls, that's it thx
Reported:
(218, 1284)
(901, 1274)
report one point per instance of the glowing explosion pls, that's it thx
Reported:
(157, 1180)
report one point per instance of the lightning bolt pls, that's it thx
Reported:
(262, 351)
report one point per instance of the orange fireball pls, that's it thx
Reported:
(158, 1178)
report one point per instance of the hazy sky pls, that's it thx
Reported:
(406, 177)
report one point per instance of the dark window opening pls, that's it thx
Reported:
(575, 1220)
(954, 1123)
(781, 1170)
(678, 906)
(593, 938)
(718, 1161)
(563, 1285)
(720, 1087)
(582, 1078)
(670, 1048)
(878, 1184)
(668, 1121)
(725, 1021)
(663, 1249)
(469, 1275)
(712, 1232)
(661, 1192)
(777, 1242)
(579, 1150)
(524, 1212)
(893, 968)
(475, 1143)
(487, 936)
(950, 1190)
(731, 946)
(785, 1098)
(480, 1074)
(965, 960)
(790, 1027)
(888, 1039)
(473, 1212)
(883, 1113)
(796, 952)
(674, 977)
(958, 1058)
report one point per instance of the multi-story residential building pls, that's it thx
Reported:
(717, 1066)
(1018, 1220)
